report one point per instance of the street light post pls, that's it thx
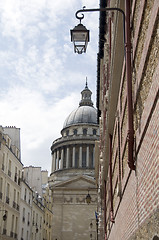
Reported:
(81, 39)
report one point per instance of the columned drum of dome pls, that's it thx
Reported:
(72, 172)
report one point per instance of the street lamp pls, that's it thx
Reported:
(88, 198)
(80, 38)
(80, 35)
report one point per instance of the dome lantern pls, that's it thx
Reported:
(86, 97)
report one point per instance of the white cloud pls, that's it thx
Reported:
(41, 78)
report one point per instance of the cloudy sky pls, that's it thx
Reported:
(40, 76)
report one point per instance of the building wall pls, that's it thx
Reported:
(10, 174)
(135, 194)
(37, 218)
(72, 215)
(33, 177)
(25, 209)
(25, 223)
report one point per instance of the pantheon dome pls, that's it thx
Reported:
(75, 149)
(85, 113)
(72, 173)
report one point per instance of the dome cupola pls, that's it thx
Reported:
(85, 113)
(86, 97)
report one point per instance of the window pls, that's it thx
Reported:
(94, 131)
(22, 233)
(16, 226)
(75, 132)
(67, 133)
(7, 193)
(1, 187)
(33, 217)
(18, 201)
(19, 177)
(9, 169)
(37, 218)
(14, 199)
(12, 228)
(5, 225)
(84, 131)
(3, 161)
(27, 237)
(28, 218)
(25, 194)
(23, 214)
(15, 177)
(29, 198)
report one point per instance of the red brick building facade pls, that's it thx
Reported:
(127, 155)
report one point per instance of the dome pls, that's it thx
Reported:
(83, 114)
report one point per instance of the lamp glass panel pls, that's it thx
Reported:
(80, 36)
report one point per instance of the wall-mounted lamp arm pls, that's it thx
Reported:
(102, 10)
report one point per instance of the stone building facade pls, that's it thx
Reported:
(25, 214)
(128, 159)
(10, 174)
(72, 176)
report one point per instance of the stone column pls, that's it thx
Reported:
(53, 161)
(80, 156)
(57, 160)
(67, 157)
(93, 156)
(87, 157)
(55, 156)
(73, 157)
(62, 157)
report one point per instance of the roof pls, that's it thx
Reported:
(83, 114)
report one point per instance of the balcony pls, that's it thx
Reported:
(15, 235)
(19, 181)
(2, 166)
(17, 207)
(9, 173)
(7, 200)
(4, 231)
(1, 195)
(15, 178)
(14, 204)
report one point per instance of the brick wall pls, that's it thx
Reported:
(136, 193)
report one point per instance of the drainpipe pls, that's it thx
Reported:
(110, 176)
(130, 134)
